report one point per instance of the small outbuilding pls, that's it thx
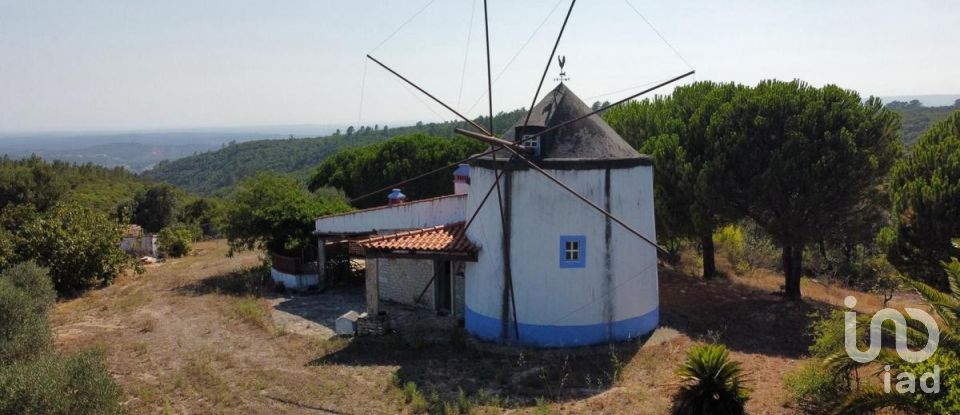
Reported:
(136, 242)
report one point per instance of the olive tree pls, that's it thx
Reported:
(274, 213)
(79, 245)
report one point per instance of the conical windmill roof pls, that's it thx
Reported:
(588, 140)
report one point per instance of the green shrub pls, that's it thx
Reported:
(275, 213)
(55, 385)
(23, 332)
(711, 383)
(26, 295)
(827, 333)
(78, 245)
(33, 380)
(415, 398)
(35, 281)
(177, 240)
(948, 400)
(8, 246)
(251, 311)
(814, 387)
(730, 240)
(762, 251)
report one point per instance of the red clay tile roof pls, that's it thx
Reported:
(441, 238)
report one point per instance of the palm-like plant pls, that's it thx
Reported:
(711, 383)
(947, 306)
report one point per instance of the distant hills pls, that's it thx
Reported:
(210, 161)
(929, 100)
(215, 172)
(917, 118)
(140, 150)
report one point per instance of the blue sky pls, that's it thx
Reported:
(132, 64)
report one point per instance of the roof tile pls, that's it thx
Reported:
(443, 238)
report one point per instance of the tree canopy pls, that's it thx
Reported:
(365, 169)
(676, 131)
(276, 213)
(78, 245)
(155, 207)
(801, 159)
(926, 201)
(43, 184)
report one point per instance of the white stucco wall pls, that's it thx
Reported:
(140, 245)
(608, 289)
(295, 282)
(411, 215)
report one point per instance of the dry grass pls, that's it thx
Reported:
(253, 311)
(190, 336)
(130, 301)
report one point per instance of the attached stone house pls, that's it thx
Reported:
(409, 250)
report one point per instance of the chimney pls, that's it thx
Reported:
(396, 198)
(461, 180)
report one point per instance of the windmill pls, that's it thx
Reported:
(556, 133)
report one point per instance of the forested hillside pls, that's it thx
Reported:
(358, 171)
(44, 184)
(917, 118)
(214, 172)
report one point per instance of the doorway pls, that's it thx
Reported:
(443, 289)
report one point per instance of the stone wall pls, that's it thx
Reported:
(368, 325)
(402, 280)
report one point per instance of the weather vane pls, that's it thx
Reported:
(563, 74)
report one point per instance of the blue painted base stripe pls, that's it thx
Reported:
(536, 335)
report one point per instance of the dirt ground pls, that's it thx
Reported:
(188, 337)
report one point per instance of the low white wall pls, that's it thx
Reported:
(139, 245)
(295, 282)
(411, 215)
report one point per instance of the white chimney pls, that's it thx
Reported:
(396, 197)
(461, 180)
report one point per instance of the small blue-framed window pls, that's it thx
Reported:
(573, 251)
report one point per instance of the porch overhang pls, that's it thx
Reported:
(439, 242)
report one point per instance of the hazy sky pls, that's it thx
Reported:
(130, 64)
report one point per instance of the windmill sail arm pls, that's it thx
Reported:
(494, 141)
(431, 96)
